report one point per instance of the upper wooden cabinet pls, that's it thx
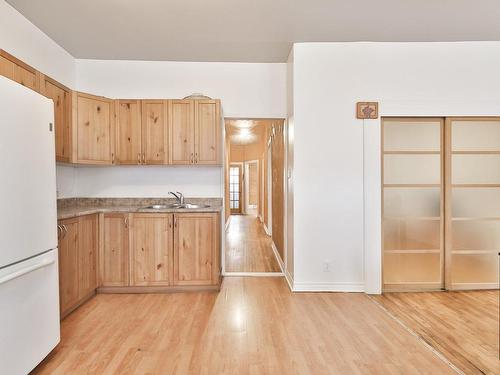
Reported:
(61, 95)
(128, 131)
(207, 132)
(196, 255)
(18, 71)
(93, 136)
(181, 131)
(195, 132)
(154, 132)
(151, 249)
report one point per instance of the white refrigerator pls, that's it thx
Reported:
(29, 291)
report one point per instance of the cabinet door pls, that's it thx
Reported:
(128, 131)
(207, 132)
(94, 123)
(87, 255)
(68, 264)
(151, 250)
(181, 131)
(154, 132)
(18, 71)
(195, 249)
(62, 115)
(115, 255)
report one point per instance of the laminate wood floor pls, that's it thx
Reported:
(463, 326)
(248, 247)
(253, 326)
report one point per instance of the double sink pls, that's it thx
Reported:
(175, 206)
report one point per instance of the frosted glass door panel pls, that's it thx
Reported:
(412, 202)
(475, 269)
(412, 268)
(412, 169)
(474, 135)
(476, 234)
(412, 135)
(475, 202)
(412, 234)
(475, 169)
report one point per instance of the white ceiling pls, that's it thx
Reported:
(249, 30)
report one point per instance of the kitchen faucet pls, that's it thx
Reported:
(179, 196)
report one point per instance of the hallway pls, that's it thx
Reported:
(248, 247)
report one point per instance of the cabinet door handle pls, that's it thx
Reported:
(59, 230)
(196, 158)
(113, 158)
(144, 158)
(126, 222)
(65, 231)
(192, 158)
(138, 158)
(175, 222)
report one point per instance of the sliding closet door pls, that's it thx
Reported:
(472, 203)
(413, 207)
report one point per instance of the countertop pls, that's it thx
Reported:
(74, 207)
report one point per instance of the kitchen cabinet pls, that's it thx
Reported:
(196, 250)
(181, 131)
(207, 132)
(61, 95)
(114, 255)
(18, 71)
(77, 261)
(151, 249)
(154, 132)
(68, 264)
(128, 117)
(94, 133)
(195, 128)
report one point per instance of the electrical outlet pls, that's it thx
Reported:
(327, 266)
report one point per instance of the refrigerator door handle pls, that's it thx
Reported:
(24, 271)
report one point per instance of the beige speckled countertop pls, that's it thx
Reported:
(73, 207)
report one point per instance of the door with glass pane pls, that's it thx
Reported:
(472, 203)
(413, 207)
(235, 188)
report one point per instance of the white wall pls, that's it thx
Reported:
(21, 38)
(246, 90)
(337, 158)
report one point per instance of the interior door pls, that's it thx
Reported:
(235, 188)
(473, 203)
(413, 208)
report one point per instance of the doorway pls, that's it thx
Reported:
(440, 203)
(251, 246)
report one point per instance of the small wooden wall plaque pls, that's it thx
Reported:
(367, 110)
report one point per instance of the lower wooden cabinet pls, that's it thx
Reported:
(77, 261)
(114, 254)
(195, 249)
(151, 249)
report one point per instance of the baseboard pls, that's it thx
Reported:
(261, 219)
(227, 223)
(253, 274)
(265, 229)
(328, 287)
(278, 258)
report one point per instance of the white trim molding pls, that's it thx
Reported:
(328, 287)
(253, 274)
(278, 258)
(289, 279)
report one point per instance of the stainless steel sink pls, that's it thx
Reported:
(174, 206)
